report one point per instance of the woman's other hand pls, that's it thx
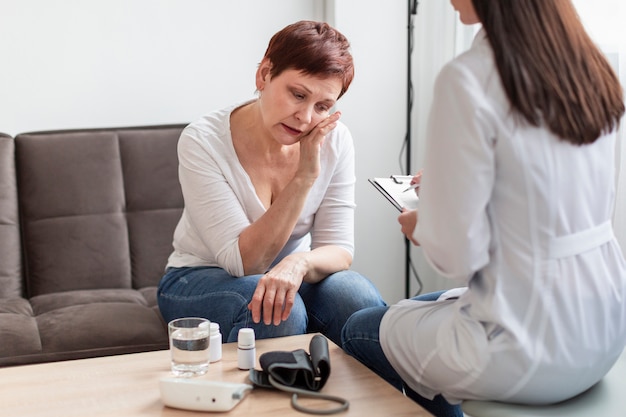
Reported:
(276, 291)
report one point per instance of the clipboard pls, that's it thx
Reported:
(393, 189)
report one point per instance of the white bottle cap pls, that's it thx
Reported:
(245, 338)
(215, 328)
(215, 344)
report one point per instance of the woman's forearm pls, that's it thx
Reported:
(324, 261)
(262, 241)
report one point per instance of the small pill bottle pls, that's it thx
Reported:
(246, 349)
(215, 344)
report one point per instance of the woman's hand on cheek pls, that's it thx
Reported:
(311, 144)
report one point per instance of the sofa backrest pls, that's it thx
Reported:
(97, 207)
(10, 253)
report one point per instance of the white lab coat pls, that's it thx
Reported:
(523, 219)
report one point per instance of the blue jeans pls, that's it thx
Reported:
(212, 293)
(360, 338)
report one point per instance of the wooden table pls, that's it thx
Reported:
(128, 386)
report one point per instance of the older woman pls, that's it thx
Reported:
(266, 238)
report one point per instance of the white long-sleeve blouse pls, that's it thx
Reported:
(220, 199)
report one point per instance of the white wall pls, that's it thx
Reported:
(375, 110)
(97, 63)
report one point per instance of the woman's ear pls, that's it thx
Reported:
(263, 74)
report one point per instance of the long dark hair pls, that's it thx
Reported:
(552, 71)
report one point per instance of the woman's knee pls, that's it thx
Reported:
(363, 325)
(296, 323)
(350, 290)
(361, 339)
(204, 292)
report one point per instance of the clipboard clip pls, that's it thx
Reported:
(401, 179)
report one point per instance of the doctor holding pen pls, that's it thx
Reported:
(408, 218)
(516, 201)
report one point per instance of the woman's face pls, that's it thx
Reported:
(293, 103)
(467, 14)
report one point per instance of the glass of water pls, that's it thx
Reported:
(189, 346)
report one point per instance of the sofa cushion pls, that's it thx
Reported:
(46, 303)
(75, 325)
(100, 326)
(18, 327)
(10, 252)
(97, 207)
(97, 210)
(154, 200)
(80, 324)
(71, 195)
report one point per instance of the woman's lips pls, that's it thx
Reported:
(290, 130)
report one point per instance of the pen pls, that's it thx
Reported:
(412, 187)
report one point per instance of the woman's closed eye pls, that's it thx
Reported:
(298, 95)
(323, 108)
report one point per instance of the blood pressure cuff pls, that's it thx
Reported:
(295, 369)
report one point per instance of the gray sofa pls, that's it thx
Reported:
(86, 224)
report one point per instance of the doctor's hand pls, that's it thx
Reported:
(417, 179)
(276, 291)
(408, 222)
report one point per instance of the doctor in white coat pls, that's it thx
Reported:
(516, 201)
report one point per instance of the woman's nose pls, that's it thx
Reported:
(304, 113)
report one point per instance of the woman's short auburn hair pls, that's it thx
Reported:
(314, 48)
